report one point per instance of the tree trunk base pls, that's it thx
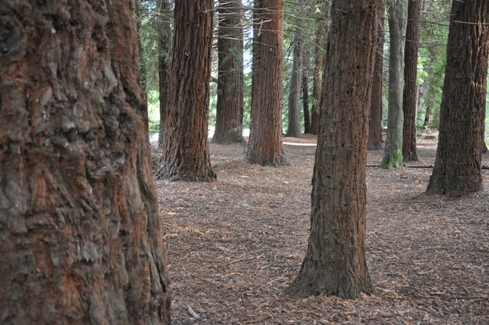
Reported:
(310, 282)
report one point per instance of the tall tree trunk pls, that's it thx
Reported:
(164, 64)
(335, 259)
(265, 145)
(428, 116)
(294, 125)
(458, 157)
(186, 153)
(397, 31)
(375, 121)
(230, 83)
(138, 15)
(305, 103)
(410, 95)
(322, 22)
(80, 231)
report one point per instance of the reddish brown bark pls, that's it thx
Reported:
(186, 153)
(410, 94)
(335, 261)
(230, 82)
(375, 121)
(458, 158)
(80, 231)
(265, 145)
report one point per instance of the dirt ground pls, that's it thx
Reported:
(235, 244)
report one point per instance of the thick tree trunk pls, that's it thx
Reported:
(186, 153)
(80, 231)
(230, 83)
(305, 104)
(375, 121)
(397, 31)
(410, 95)
(294, 128)
(458, 157)
(335, 259)
(265, 145)
(322, 23)
(164, 64)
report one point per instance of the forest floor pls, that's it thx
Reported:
(235, 244)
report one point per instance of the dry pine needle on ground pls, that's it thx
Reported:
(235, 244)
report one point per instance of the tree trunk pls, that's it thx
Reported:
(410, 95)
(80, 231)
(321, 34)
(138, 15)
(375, 121)
(427, 117)
(294, 128)
(186, 153)
(397, 31)
(265, 145)
(458, 158)
(230, 83)
(164, 64)
(305, 104)
(335, 259)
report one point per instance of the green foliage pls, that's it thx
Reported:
(300, 14)
(153, 111)
(432, 60)
(152, 20)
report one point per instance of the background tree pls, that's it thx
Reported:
(294, 128)
(397, 30)
(186, 149)
(230, 83)
(335, 259)
(375, 120)
(265, 144)
(322, 22)
(458, 157)
(138, 19)
(435, 16)
(80, 232)
(165, 19)
(305, 102)
(410, 94)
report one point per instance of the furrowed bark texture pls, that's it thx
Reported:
(80, 235)
(397, 31)
(230, 82)
(410, 94)
(458, 157)
(186, 153)
(265, 145)
(335, 261)
(375, 121)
